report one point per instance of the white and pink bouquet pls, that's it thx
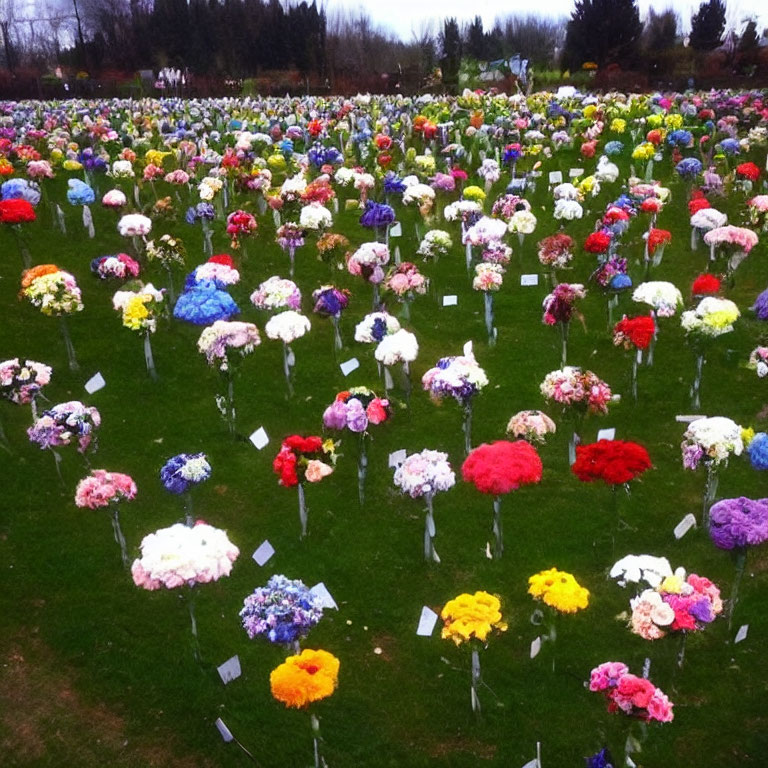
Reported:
(134, 225)
(21, 382)
(119, 267)
(114, 199)
(219, 341)
(220, 269)
(663, 297)
(287, 327)
(711, 441)
(107, 489)
(367, 262)
(758, 210)
(277, 293)
(532, 426)
(406, 279)
(758, 361)
(422, 475)
(573, 388)
(734, 243)
(632, 695)
(398, 347)
(436, 243)
(65, 423)
(488, 277)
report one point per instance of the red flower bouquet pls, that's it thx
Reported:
(634, 332)
(705, 285)
(697, 204)
(597, 242)
(615, 462)
(658, 238)
(16, 212)
(748, 171)
(499, 468)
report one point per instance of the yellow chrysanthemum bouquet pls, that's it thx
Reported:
(559, 591)
(472, 619)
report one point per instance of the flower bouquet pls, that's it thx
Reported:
(303, 679)
(656, 241)
(734, 243)
(140, 310)
(79, 193)
(562, 593)
(712, 317)
(56, 294)
(436, 243)
(488, 279)
(398, 347)
(634, 333)
(287, 327)
(304, 459)
(356, 409)
(559, 307)
(137, 227)
(611, 276)
(331, 302)
(367, 262)
(405, 281)
(181, 473)
(184, 556)
(422, 475)
(170, 252)
(499, 468)
(283, 612)
(107, 489)
(22, 383)
(664, 299)
(224, 343)
(472, 619)
(241, 225)
(679, 604)
(290, 237)
(63, 424)
(15, 212)
(711, 441)
(117, 267)
(735, 525)
(459, 377)
(579, 392)
(758, 361)
(556, 252)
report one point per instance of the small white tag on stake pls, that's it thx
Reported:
(555, 177)
(350, 365)
(607, 434)
(321, 592)
(226, 734)
(396, 230)
(529, 279)
(264, 552)
(259, 438)
(687, 418)
(535, 647)
(396, 458)
(229, 670)
(450, 301)
(741, 634)
(575, 172)
(685, 525)
(95, 383)
(427, 622)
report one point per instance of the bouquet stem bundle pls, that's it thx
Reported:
(710, 492)
(740, 560)
(489, 318)
(148, 356)
(68, 345)
(303, 512)
(430, 554)
(467, 427)
(696, 386)
(119, 538)
(476, 680)
(362, 468)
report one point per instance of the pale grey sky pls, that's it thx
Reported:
(405, 16)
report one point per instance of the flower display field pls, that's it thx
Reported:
(345, 509)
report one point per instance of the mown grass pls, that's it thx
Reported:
(127, 651)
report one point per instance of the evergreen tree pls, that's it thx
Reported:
(450, 42)
(476, 47)
(603, 31)
(749, 38)
(707, 26)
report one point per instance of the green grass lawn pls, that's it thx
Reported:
(96, 672)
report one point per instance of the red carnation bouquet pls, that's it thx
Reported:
(634, 332)
(706, 285)
(597, 242)
(304, 459)
(748, 171)
(615, 462)
(16, 212)
(498, 468)
(698, 204)
(657, 239)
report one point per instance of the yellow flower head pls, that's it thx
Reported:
(469, 617)
(674, 121)
(72, 165)
(135, 311)
(587, 184)
(672, 584)
(156, 157)
(589, 111)
(618, 125)
(277, 162)
(559, 590)
(300, 680)
(747, 435)
(654, 121)
(644, 151)
(474, 193)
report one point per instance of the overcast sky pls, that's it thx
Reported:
(405, 16)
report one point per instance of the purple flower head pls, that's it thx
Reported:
(357, 420)
(692, 455)
(760, 307)
(689, 168)
(335, 415)
(393, 184)
(377, 215)
(379, 329)
(330, 301)
(701, 610)
(738, 522)
(601, 759)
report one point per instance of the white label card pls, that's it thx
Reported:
(95, 383)
(264, 552)
(529, 279)
(687, 418)
(555, 177)
(535, 647)
(226, 734)
(607, 434)
(229, 670)
(532, 764)
(574, 172)
(259, 438)
(427, 622)
(450, 301)
(742, 633)
(396, 458)
(320, 591)
(350, 365)
(685, 525)
(396, 230)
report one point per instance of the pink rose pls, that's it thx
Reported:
(317, 470)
